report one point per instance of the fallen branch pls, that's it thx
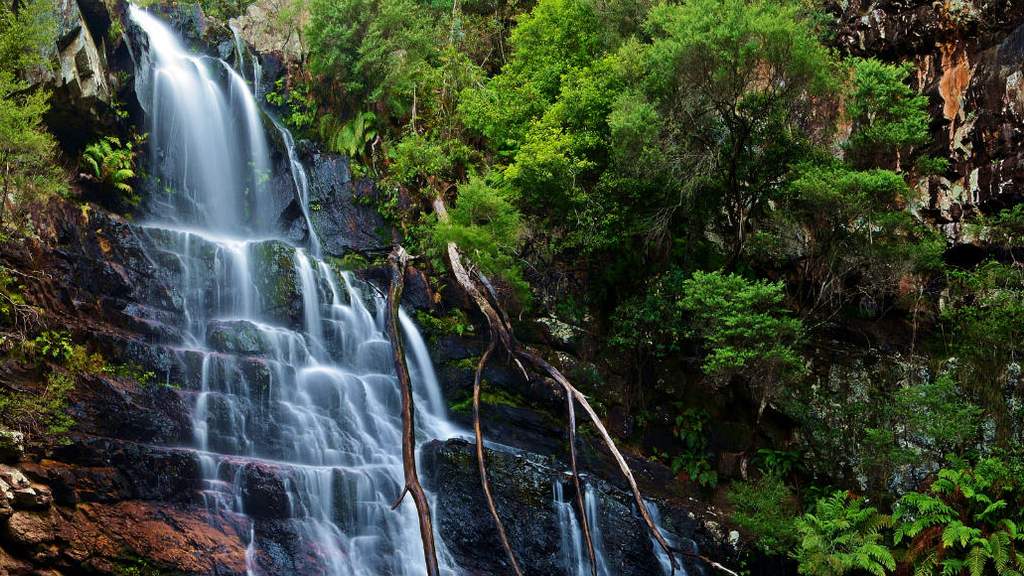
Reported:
(584, 521)
(482, 463)
(501, 327)
(572, 392)
(705, 559)
(398, 259)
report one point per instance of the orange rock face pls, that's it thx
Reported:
(106, 538)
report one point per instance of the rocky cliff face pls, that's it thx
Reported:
(969, 57)
(124, 495)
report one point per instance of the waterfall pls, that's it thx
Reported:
(575, 557)
(663, 559)
(295, 406)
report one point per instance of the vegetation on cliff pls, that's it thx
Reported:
(723, 201)
(712, 189)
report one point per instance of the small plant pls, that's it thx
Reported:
(454, 323)
(43, 414)
(54, 345)
(13, 308)
(352, 137)
(298, 104)
(132, 371)
(111, 164)
(843, 536)
(766, 509)
(778, 463)
(689, 429)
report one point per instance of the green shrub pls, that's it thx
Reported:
(843, 536)
(766, 509)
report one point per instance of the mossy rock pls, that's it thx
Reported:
(277, 281)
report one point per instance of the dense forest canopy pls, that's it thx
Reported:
(713, 192)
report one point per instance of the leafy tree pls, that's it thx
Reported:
(487, 227)
(753, 70)
(889, 118)
(377, 52)
(852, 242)
(966, 523)
(744, 330)
(27, 167)
(843, 536)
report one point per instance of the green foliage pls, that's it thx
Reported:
(486, 227)
(225, 9)
(377, 52)
(497, 397)
(966, 523)
(56, 346)
(888, 116)
(12, 302)
(843, 536)
(299, 106)
(777, 463)
(743, 326)
(131, 371)
(111, 163)
(456, 323)
(44, 413)
(766, 509)
(28, 171)
(983, 318)
(417, 158)
(691, 430)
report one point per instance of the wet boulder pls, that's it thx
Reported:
(524, 487)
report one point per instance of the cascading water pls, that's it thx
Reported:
(296, 414)
(663, 559)
(575, 557)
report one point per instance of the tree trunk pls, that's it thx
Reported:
(398, 259)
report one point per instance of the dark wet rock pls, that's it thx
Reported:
(278, 283)
(234, 336)
(81, 82)
(523, 486)
(264, 492)
(341, 210)
(139, 471)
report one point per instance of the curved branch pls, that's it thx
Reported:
(482, 463)
(534, 359)
(398, 259)
(503, 330)
(584, 521)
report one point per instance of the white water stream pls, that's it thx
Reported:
(299, 404)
